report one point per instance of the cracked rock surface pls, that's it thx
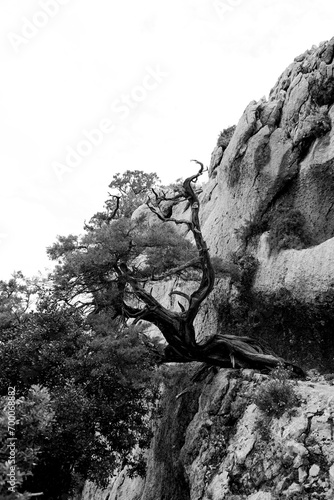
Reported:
(219, 445)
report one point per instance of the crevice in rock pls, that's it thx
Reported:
(166, 479)
(329, 210)
(212, 190)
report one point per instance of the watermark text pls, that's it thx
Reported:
(224, 7)
(11, 446)
(31, 27)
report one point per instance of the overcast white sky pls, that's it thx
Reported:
(159, 79)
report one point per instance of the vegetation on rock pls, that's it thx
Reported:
(287, 230)
(277, 395)
(293, 328)
(225, 137)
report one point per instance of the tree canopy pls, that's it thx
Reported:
(131, 189)
(96, 391)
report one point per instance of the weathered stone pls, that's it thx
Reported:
(223, 449)
(219, 488)
(314, 470)
(272, 111)
(329, 53)
(121, 488)
(331, 475)
(296, 448)
(261, 495)
(301, 57)
(323, 68)
(305, 273)
(293, 489)
(302, 474)
(298, 461)
(215, 159)
(328, 57)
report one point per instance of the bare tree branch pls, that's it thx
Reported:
(167, 219)
(113, 215)
(182, 294)
(178, 327)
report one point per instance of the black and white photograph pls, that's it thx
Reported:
(167, 250)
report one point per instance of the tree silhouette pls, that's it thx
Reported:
(178, 327)
(106, 272)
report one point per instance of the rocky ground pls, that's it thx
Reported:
(218, 444)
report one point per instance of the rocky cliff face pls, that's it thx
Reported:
(213, 442)
(268, 213)
(279, 157)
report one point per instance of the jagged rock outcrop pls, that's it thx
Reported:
(212, 442)
(280, 157)
(121, 487)
(273, 194)
(270, 195)
(232, 451)
(217, 154)
(268, 212)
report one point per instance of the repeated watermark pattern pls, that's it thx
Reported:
(31, 28)
(11, 446)
(121, 108)
(225, 7)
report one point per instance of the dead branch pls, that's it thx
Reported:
(182, 294)
(178, 327)
(113, 215)
(166, 219)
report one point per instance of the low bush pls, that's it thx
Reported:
(287, 230)
(277, 395)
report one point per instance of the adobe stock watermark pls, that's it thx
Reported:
(224, 7)
(11, 446)
(31, 28)
(122, 108)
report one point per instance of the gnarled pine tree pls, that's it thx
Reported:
(178, 327)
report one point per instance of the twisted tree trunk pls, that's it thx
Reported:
(178, 327)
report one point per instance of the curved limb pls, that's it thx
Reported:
(208, 275)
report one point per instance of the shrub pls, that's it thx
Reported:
(248, 265)
(286, 226)
(299, 331)
(225, 136)
(277, 395)
(228, 267)
(34, 419)
(253, 228)
(287, 230)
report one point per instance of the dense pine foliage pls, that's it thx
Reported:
(85, 381)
